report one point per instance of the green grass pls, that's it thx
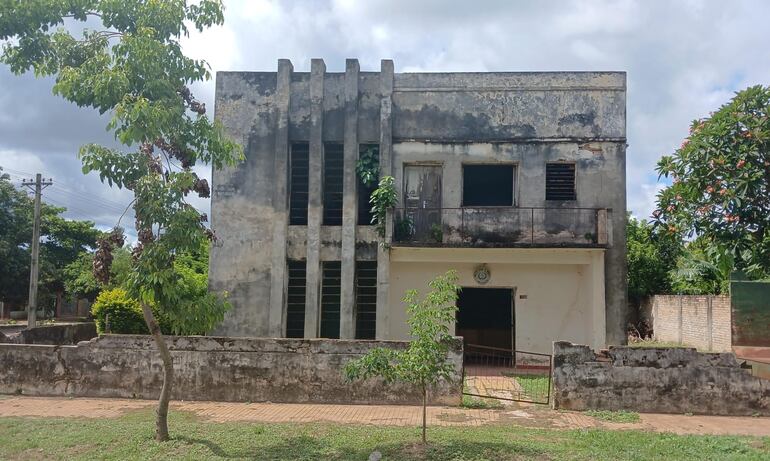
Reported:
(130, 437)
(470, 401)
(620, 416)
(650, 343)
(535, 386)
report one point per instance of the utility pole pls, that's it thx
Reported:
(38, 185)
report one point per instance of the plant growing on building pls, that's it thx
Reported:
(424, 362)
(721, 184)
(368, 166)
(383, 198)
(127, 61)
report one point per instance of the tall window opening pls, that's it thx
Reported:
(560, 181)
(366, 299)
(331, 282)
(332, 185)
(488, 185)
(369, 152)
(295, 300)
(298, 183)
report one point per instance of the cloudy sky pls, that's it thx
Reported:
(683, 59)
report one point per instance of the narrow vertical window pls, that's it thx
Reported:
(295, 300)
(560, 181)
(331, 282)
(332, 185)
(298, 183)
(366, 299)
(369, 155)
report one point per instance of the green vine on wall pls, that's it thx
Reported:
(368, 166)
(383, 198)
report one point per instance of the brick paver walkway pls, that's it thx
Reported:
(381, 415)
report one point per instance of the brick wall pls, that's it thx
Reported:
(697, 321)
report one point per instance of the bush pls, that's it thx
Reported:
(125, 314)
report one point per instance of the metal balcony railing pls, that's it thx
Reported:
(501, 226)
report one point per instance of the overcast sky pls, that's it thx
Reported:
(683, 58)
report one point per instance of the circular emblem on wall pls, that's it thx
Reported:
(481, 274)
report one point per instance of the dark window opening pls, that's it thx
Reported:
(332, 185)
(366, 299)
(298, 183)
(365, 190)
(295, 300)
(331, 282)
(560, 181)
(488, 185)
(485, 317)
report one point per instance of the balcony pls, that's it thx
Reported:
(501, 227)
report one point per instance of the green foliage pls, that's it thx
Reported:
(383, 198)
(62, 243)
(424, 362)
(125, 314)
(652, 255)
(620, 416)
(129, 64)
(79, 280)
(368, 166)
(701, 269)
(721, 184)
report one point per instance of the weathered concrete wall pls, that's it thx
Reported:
(750, 309)
(660, 380)
(210, 368)
(68, 333)
(697, 321)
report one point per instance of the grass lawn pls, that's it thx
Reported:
(130, 437)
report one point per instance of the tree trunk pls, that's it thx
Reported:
(424, 411)
(161, 417)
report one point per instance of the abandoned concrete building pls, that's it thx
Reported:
(514, 179)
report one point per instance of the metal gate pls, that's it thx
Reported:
(506, 374)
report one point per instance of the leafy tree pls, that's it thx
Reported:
(721, 184)
(701, 270)
(128, 62)
(79, 280)
(63, 242)
(652, 255)
(424, 362)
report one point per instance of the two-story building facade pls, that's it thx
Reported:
(514, 180)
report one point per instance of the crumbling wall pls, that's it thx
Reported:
(656, 380)
(211, 368)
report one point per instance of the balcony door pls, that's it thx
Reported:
(422, 202)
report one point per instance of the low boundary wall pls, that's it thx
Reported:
(212, 368)
(656, 380)
(693, 320)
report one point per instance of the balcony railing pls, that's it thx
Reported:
(500, 226)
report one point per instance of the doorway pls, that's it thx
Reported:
(422, 201)
(485, 317)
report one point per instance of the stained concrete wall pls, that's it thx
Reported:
(522, 118)
(558, 293)
(660, 380)
(210, 368)
(68, 333)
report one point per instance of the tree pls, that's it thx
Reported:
(721, 184)
(424, 362)
(652, 255)
(127, 61)
(701, 270)
(79, 280)
(63, 242)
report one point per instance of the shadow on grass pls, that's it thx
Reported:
(304, 447)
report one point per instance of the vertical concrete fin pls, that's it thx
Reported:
(386, 169)
(349, 202)
(315, 202)
(277, 317)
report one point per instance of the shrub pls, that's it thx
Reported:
(125, 314)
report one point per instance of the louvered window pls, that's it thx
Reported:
(298, 184)
(330, 299)
(332, 186)
(560, 181)
(295, 300)
(366, 299)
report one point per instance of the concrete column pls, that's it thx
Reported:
(315, 200)
(349, 203)
(277, 312)
(598, 314)
(386, 169)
